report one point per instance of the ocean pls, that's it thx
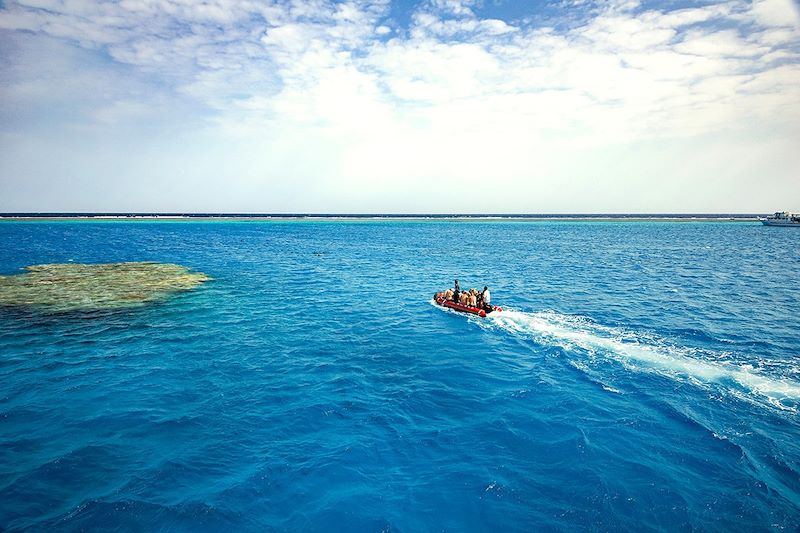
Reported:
(643, 376)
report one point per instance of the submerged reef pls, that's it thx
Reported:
(90, 287)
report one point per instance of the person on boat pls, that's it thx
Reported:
(456, 293)
(486, 296)
(448, 294)
(473, 298)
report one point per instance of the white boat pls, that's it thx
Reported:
(782, 218)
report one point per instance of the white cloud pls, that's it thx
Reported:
(454, 7)
(335, 90)
(776, 12)
(724, 43)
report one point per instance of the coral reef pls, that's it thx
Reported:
(87, 287)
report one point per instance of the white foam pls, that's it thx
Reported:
(642, 352)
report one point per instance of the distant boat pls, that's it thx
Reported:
(782, 218)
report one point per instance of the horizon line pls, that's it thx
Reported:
(223, 214)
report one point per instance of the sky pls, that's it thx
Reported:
(377, 106)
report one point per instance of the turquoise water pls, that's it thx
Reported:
(644, 377)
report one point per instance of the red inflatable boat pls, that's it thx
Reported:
(465, 308)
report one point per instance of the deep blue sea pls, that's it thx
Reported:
(645, 376)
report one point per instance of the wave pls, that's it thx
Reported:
(644, 352)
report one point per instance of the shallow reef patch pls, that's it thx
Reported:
(89, 287)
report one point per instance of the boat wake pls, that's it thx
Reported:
(640, 352)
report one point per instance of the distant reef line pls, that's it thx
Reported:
(384, 216)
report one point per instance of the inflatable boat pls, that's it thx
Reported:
(465, 308)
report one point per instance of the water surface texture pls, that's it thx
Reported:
(644, 377)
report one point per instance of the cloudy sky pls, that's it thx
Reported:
(443, 106)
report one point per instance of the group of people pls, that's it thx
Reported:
(471, 298)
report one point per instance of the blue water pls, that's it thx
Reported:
(645, 376)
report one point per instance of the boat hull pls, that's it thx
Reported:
(783, 224)
(465, 308)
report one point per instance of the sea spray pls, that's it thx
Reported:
(643, 352)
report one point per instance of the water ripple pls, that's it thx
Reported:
(645, 377)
